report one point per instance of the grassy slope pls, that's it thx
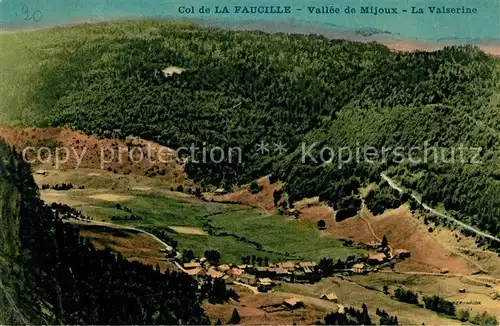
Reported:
(277, 234)
(100, 78)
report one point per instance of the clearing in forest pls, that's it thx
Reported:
(111, 197)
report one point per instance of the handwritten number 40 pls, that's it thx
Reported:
(36, 15)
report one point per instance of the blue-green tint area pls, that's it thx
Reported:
(430, 20)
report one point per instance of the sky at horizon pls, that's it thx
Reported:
(483, 25)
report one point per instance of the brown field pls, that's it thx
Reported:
(132, 245)
(142, 188)
(352, 294)
(91, 148)
(104, 182)
(54, 196)
(111, 197)
(476, 298)
(251, 314)
(429, 251)
(263, 199)
(188, 230)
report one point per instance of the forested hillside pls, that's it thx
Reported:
(49, 275)
(243, 88)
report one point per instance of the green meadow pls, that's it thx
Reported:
(280, 237)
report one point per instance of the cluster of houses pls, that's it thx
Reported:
(384, 254)
(262, 277)
(286, 271)
(382, 257)
(296, 303)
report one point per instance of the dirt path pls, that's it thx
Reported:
(180, 267)
(465, 257)
(251, 288)
(116, 226)
(394, 185)
(475, 250)
(367, 221)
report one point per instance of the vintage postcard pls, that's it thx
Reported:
(168, 162)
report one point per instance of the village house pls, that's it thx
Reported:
(247, 279)
(195, 272)
(214, 273)
(281, 271)
(220, 191)
(299, 276)
(401, 253)
(376, 259)
(332, 296)
(374, 245)
(192, 265)
(265, 284)
(266, 281)
(496, 294)
(307, 266)
(223, 268)
(228, 279)
(170, 71)
(358, 268)
(293, 303)
(235, 272)
(264, 272)
(282, 274)
(289, 266)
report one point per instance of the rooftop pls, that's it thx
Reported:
(307, 264)
(330, 296)
(292, 301)
(379, 257)
(280, 271)
(224, 268)
(287, 265)
(266, 281)
(170, 71)
(194, 271)
(237, 271)
(191, 265)
(215, 274)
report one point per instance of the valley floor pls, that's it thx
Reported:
(185, 216)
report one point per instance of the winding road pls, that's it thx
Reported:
(395, 186)
(117, 226)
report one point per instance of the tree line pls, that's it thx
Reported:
(62, 279)
(243, 88)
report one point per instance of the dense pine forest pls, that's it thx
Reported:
(52, 276)
(239, 89)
